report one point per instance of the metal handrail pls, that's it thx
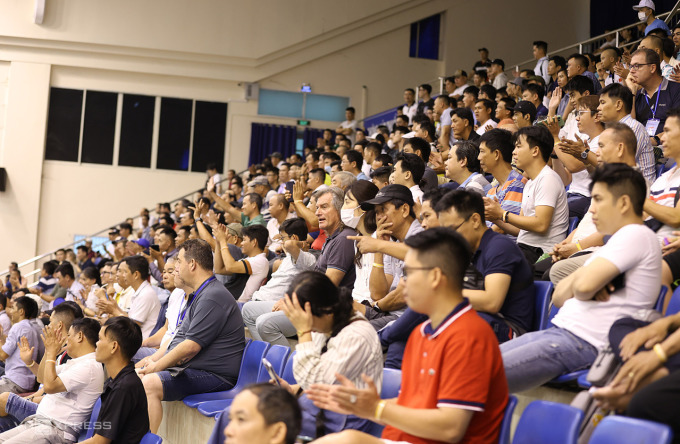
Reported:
(668, 15)
(50, 253)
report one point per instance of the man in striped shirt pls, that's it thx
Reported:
(616, 103)
(495, 155)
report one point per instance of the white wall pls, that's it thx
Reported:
(205, 50)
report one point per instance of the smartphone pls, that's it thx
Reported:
(270, 370)
(289, 187)
(155, 247)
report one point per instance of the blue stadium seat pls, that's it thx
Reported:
(545, 422)
(288, 371)
(544, 291)
(674, 303)
(624, 430)
(276, 355)
(88, 432)
(573, 223)
(250, 367)
(661, 299)
(150, 438)
(504, 437)
(391, 383)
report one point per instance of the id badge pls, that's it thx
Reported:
(651, 126)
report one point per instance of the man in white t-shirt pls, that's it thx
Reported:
(544, 218)
(255, 264)
(410, 108)
(71, 388)
(349, 126)
(214, 176)
(408, 171)
(617, 281)
(144, 303)
(483, 112)
(662, 201)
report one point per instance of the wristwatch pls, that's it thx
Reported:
(584, 155)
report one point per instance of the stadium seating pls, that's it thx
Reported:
(623, 430)
(545, 422)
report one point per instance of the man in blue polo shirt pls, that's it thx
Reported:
(655, 95)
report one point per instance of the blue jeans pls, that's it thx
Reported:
(17, 409)
(538, 357)
(142, 353)
(191, 382)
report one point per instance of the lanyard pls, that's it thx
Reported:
(658, 94)
(191, 299)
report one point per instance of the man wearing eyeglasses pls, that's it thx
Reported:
(655, 95)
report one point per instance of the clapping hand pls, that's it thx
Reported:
(298, 191)
(53, 341)
(25, 350)
(346, 398)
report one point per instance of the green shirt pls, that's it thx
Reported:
(246, 221)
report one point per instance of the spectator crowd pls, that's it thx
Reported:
(415, 247)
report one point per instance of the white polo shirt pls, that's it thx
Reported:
(144, 308)
(83, 378)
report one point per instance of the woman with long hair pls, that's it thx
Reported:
(332, 338)
(364, 222)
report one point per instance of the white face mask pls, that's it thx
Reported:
(348, 217)
(328, 169)
(642, 16)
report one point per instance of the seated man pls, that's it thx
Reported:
(595, 296)
(462, 167)
(13, 408)
(122, 415)
(18, 378)
(206, 351)
(396, 221)
(176, 303)
(408, 171)
(495, 158)
(66, 279)
(336, 260)
(255, 264)
(249, 213)
(71, 389)
(464, 400)
(505, 297)
(262, 314)
(544, 218)
(144, 304)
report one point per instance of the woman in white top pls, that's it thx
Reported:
(332, 339)
(364, 222)
(90, 280)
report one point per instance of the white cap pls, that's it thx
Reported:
(409, 135)
(645, 4)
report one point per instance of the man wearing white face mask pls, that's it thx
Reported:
(645, 11)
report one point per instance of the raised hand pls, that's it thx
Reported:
(25, 350)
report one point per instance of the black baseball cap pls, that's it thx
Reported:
(389, 192)
(498, 62)
(525, 107)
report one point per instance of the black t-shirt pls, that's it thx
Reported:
(124, 415)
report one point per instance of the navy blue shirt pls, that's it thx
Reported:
(498, 253)
(669, 98)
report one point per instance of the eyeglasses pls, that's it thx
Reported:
(407, 270)
(637, 66)
(461, 224)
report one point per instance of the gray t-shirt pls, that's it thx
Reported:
(214, 322)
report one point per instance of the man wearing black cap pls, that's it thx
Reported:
(394, 210)
(496, 75)
(482, 66)
(524, 114)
